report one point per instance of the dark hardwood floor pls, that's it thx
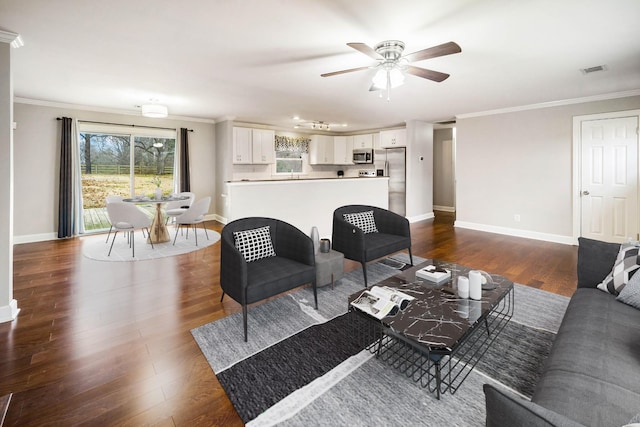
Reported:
(104, 343)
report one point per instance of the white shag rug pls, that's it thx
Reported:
(95, 247)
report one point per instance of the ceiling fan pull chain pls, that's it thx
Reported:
(388, 86)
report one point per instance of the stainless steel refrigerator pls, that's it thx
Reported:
(393, 162)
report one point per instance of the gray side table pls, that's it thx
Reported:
(329, 267)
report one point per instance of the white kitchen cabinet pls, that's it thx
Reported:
(253, 146)
(376, 141)
(393, 138)
(321, 150)
(343, 150)
(242, 150)
(263, 146)
(363, 141)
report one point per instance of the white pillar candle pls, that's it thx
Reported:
(463, 287)
(475, 285)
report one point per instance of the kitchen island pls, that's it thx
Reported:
(303, 203)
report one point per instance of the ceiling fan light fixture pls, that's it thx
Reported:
(154, 110)
(380, 79)
(386, 79)
(396, 77)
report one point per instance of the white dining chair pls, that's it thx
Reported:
(127, 217)
(178, 207)
(194, 216)
(112, 199)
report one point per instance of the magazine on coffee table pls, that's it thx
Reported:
(382, 301)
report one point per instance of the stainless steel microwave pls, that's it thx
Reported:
(363, 155)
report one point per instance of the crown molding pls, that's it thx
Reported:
(550, 104)
(42, 103)
(12, 38)
(7, 36)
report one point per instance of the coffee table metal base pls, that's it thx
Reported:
(440, 371)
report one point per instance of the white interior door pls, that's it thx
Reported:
(609, 182)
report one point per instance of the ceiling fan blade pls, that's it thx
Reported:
(433, 52)
(436, 76)
(363, 48)
(351, 70)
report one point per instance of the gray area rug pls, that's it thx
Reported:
(300, 367)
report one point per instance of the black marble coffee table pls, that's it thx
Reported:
(439, 337)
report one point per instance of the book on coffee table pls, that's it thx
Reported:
(434, 275)
(382, 301)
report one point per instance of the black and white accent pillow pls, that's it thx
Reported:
(363, 220)
(627, 264)
(630, 295)
(254, 244)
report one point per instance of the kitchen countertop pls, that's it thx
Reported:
(243, 181)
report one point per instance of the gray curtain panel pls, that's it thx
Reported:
(185, 180)
(65, 196)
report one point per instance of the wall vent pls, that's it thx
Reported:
(595, 69)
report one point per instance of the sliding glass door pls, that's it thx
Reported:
(124, 161)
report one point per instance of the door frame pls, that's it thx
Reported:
(577, 160)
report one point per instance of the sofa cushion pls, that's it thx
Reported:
(254, 244)
(363, 220)
(273, 275)
(592, 374)
(381, 244)
(626, 265)
(507, 409)
(630, 294)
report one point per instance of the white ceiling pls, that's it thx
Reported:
(260, 61)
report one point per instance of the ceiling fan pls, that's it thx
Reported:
(392, 65)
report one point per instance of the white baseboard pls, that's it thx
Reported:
(220, 219)
(9, 312)
(422, 217)
(444, 208)
(554, 238)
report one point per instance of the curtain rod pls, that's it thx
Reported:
(121, 124)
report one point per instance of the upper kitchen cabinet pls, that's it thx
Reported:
(393, 138)
(363, 141)
(376, 141)
(343, 150)
(242, 150)
(321, 150)
(253, 146)
(263, 146)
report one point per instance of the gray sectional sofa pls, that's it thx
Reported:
(592, 376)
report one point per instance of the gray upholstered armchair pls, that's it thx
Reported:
(360, 242)
(258, 262)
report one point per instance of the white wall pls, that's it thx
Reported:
(37, 157)
(520, 163)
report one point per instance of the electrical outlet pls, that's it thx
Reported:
(516, 218)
